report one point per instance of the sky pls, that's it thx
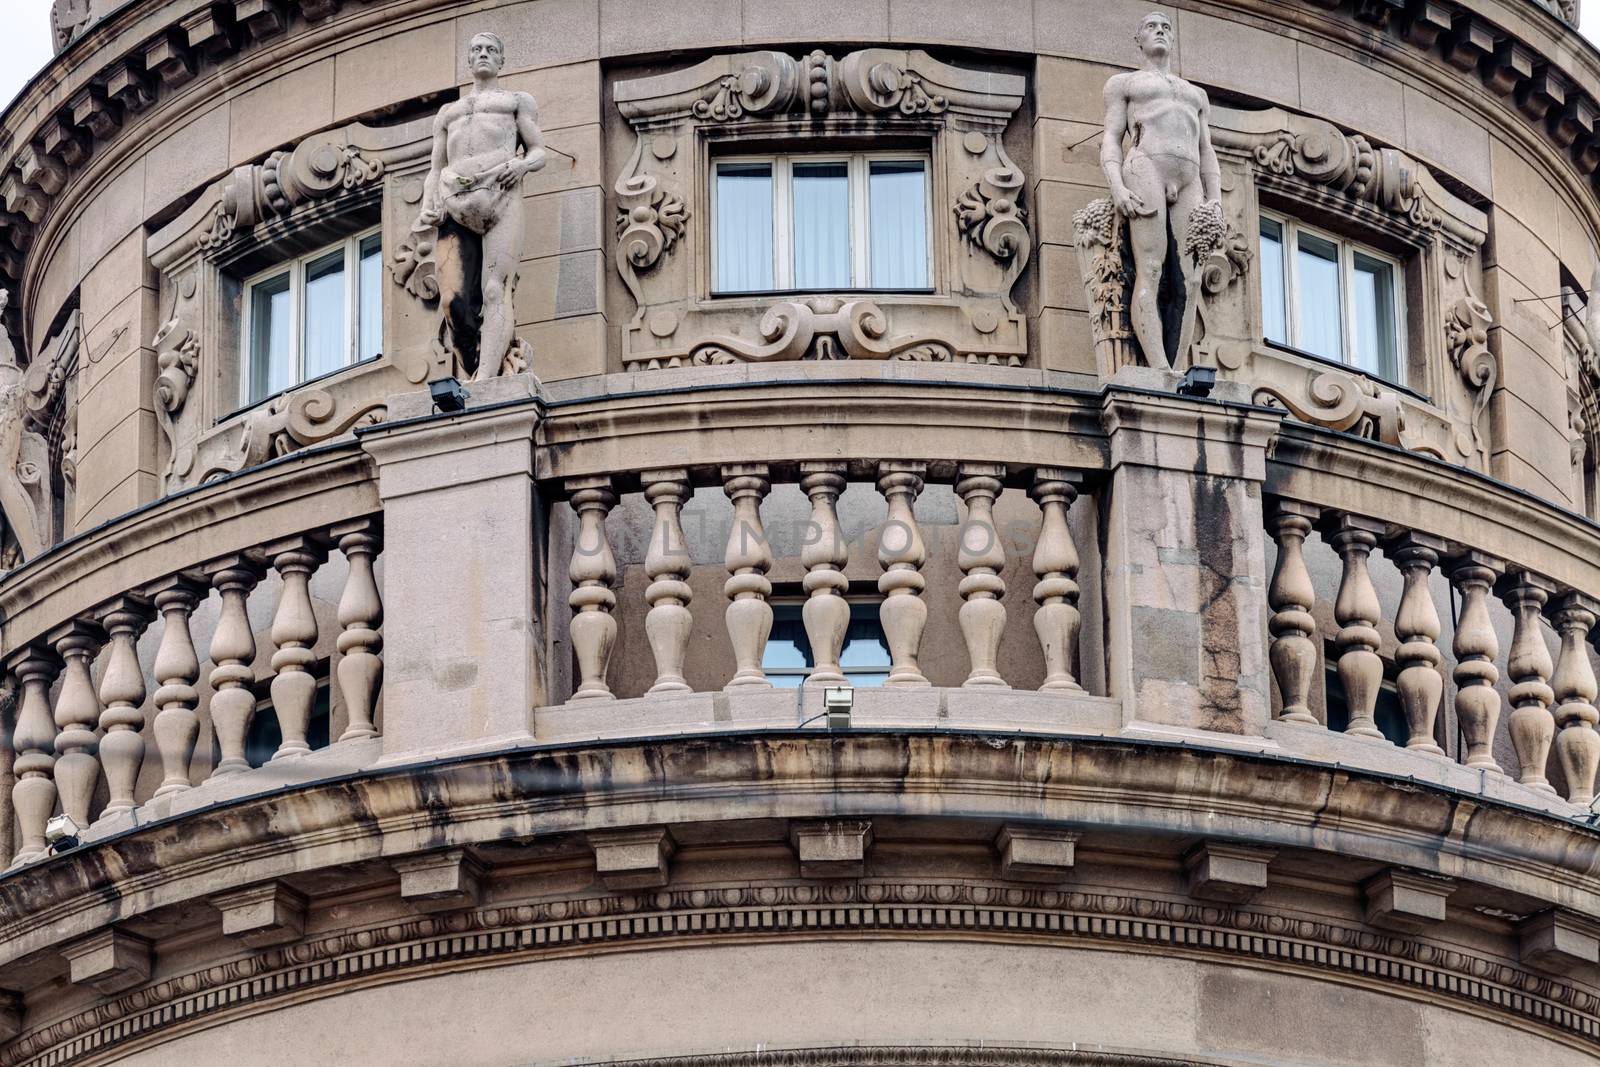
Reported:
(25, 40)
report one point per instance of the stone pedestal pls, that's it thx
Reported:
(1185, 565)
(462, 579)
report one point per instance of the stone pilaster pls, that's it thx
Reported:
(464, 659)
(1185, 556)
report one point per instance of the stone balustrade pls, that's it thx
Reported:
(669, 620)
(96, 728)
(1551, 700)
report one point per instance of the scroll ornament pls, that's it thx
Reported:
(1466, 330)
(650, 219)
(1350, 403)
(990, 217)
(1349, 164)
(821, 328)
(311, 171)
(177, 362)
(870, 81)
(288, 422)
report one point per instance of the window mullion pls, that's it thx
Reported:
(1347, 302)
(860, 222)
(352, 302)
(783, 222)
(297, 300)
(1291, 253)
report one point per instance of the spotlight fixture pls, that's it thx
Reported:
(1198, 382)
(838, 700)
(448, 395)
(62, 834)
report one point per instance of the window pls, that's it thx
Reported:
(1388, 714)
(788, 659)
(313, 315)
(1331, 298)
(856, 221)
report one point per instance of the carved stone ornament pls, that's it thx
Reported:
(22, 458)
(684, 118)
(1311, 169)
(321, 182)
(1581, 325)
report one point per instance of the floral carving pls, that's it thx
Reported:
(177, 361)
(1466, 331)
(414, 266)
(650, 219)
(989, 215)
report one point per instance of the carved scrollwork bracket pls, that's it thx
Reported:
(1466, 328)
(313, 170)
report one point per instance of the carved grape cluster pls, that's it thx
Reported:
(1207, 232)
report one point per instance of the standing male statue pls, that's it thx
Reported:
(1170, 170)
(483, 145)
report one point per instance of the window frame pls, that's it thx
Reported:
(1348, 249)
(296, 269)
(797, 602)
(858, 176)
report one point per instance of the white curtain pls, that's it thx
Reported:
(744, 227)
(897, 211)
(325, 334)
(821, 225)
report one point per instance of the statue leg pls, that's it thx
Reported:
(1147, 234)
(502, 246)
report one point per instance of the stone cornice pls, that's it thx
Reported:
(1104, 786)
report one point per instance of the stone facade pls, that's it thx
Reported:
(912, 672)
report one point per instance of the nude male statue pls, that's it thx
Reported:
(483, 145)
(1170, 168)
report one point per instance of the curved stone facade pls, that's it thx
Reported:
(1093, 561)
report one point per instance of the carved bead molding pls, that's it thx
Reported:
(683, 118)
(328, 963)
(325, 176)
(1315, 170)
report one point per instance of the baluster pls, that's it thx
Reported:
(1055, 564)
(360, 614)
(669, 620)
(177, 669)
(1357, 611)
(982, 558)
(33, 798)
(1417, 628)
(901, 554)
(233, 651)
(1532, 727)
(748, 558)
(78, 642)
(122, 691)
(1291, 596)
(294, 634)
(1476, 647)
(826, 613)
(593, 571)
(1577, 745)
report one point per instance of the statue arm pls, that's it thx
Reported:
(532, 138)
(432, 206)
(1116, 125)
(1210, 169)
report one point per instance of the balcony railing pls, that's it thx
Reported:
(996, 527)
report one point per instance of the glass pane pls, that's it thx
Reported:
(788, 646)
(1376, 326)
(1274, 315)
(897, 211)
(864, 644)
(269, 337)
(371, 311)
(821, 225)
(324, 335)
(744, 227)
(1321, 332)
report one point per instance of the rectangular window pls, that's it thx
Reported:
(788, 659)
(312, 316)
(857, 221)
(1331, 298)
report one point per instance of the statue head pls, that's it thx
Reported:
(1155, 35)
(486, 54)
